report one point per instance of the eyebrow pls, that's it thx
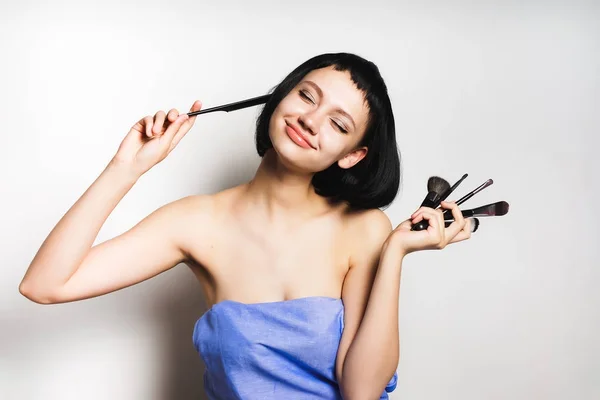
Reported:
(339, 110)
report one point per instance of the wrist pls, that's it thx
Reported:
(392, 249)
(123, 170)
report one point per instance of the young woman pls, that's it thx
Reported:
(300, 267)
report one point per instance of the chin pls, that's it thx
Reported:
(293, 157)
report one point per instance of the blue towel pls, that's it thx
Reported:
(274, 350)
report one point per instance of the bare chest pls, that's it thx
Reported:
(252, 263)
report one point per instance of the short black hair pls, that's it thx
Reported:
(374, 181)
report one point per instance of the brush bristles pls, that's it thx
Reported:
(437, 185)
(496, 209)
(474, 224)
(500, 208)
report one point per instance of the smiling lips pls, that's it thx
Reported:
(297, 137)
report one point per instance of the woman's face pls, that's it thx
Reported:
(320, 122)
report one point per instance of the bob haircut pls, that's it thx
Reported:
(374, 181)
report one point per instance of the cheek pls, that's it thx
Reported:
(273, 122)
(333, 145)
(286, 105)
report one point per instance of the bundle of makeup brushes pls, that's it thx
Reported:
(439, 189)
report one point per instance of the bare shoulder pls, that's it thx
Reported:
(181, 211)
(368, 230)
(202, 206)
(198, 220)
(370, 224)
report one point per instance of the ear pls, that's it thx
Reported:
(351, 159)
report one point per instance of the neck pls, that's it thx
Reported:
(278, 190)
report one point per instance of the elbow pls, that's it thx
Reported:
(37, 296)
(358, 390)
(362, 392)
(368, 386)
(360, 395)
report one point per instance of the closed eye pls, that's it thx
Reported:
(304, 95)
(339, 127)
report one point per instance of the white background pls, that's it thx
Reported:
(508, 90)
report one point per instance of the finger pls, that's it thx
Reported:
(456, 213)
(419, 210)
(431, 216)
(186, 126)
(435, 230)
(140, 126)
(172, 115)
(424, 214)
(459, 221)
(417, 214)
(197, 106)
(464, 233)
(174, 127)
(420, 216)
(417, 218)
(159, 121)
(405, 225)
(148, 122)
(439, 225)
(180, 133)
(473, 222)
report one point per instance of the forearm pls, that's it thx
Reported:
(73, 236)
(373, 356)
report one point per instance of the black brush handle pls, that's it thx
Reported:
(420, 226)
(431, 200)
(451, 189)
(234, 106)
(496, 209)
(475, 212)
(465, 213)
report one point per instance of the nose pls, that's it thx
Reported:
(310, 122)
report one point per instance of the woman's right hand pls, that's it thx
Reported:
(152, 138)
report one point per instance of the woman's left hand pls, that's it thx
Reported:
(437, 236)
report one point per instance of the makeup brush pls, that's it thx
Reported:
(469, 195)
(436, 187)
(496, 209)
(234, 106)
(474, 224)
(450, 190)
